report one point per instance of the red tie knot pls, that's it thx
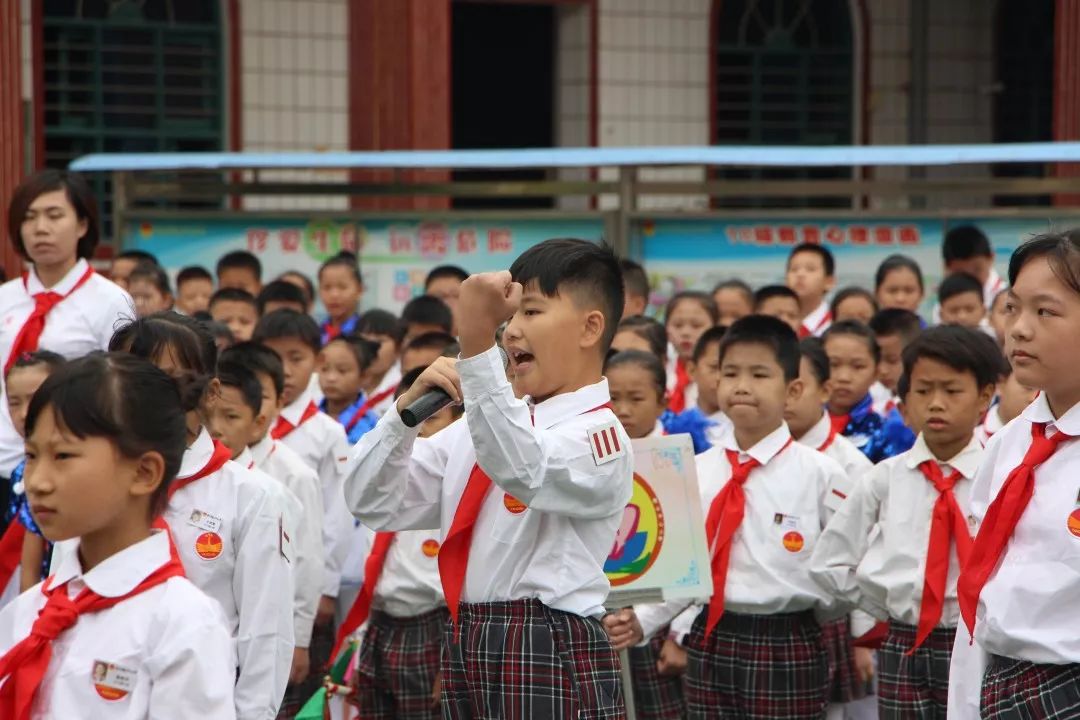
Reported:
(932, 471)
(46, 299)
(58, 615)
(740, 471)
(1042, 447)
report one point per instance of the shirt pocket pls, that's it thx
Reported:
(790, 537)
(511, 519)
(102, 685)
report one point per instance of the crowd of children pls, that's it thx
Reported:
(211, 497)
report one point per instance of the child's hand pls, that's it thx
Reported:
(325, 614)
(487, 301)
(440, 374)
(301, 665)
(436, 690)
(623, 629)
(672, 660)
(864, 664)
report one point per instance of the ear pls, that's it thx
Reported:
(149, 473)
(830, 282)
(986, 395)
(592, 328)
(794, 390)
(81, 228)
(260, 426)
(211, 395)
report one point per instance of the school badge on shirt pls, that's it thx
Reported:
(208, 546)
(430, 547)
(112, 682)
(605, 443)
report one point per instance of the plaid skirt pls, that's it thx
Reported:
(296, 694)
(397, 666)
(656, 697)
(1021, 690)
(521, 660)
(844, 684)
(757, 667)
(915, 685)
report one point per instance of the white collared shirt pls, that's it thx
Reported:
(81, 323)
(305, 517)
(409, 584)
(244, 568)
(883, 572)
(990, 424)
(321, 444)
(818, 321)
(993, 285)
(842, 450)
(390, 380)
(170, 643)
(552, 550)
(715, 433)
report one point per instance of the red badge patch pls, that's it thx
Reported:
(512, 504)
(430, 548)
(793, 541)
(208, 545)
(1073, 523)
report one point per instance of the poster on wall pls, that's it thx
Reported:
(395, 254)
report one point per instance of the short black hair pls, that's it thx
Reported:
(260, 359)
(140, 256)
(287, 323)
(735, 284)
(773, 291)
(186, 339)
(588, 272)
(79, 194)
(233, 295)
(445, 271)
(714, 334)
(346, 260)
(240, 259)
(849, 292)
(703, 299)
(635, 279)
(309, 287)
(644, 360)
(961, 348)
(428, 310)
(243, 378)
(153, 273)
(431, 341)
(648, 329)
(821, 251)
(813, 350)
(363, 350)
(896, 321)
(1061, 250)
(854, 328)
(279, 291)
(958, 284)
(380, 322)
(965, 242)
(52, 361)
(770, 332)
(123, 398)
(897, 262)
(219, 330)
(193, 272)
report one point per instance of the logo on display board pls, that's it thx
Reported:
(640, 536)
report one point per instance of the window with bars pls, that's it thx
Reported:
(131, 76)
(784, 74)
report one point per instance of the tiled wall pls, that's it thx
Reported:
(295, 87)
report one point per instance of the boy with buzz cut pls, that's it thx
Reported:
(194, 286)
(636, 288)
(237, 310)
(781, 302)
(756, 649)
(961, 301)
(241, 270)
(895, 547)
(528, 493)
(811, 274)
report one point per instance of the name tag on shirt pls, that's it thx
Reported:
(204, 521)
(111, 681)
(605, 443)
(789, 522)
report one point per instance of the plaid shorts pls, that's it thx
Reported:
(296, 694)
(398, 662)
(521, 660)
(655, 697)
(844, 684)
(1021, 690)
(915, 685)
(757, 667)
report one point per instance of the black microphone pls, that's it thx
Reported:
(431, 402)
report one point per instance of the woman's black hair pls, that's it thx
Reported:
(78, 193)
(186, 339)
(644, 360)
(854, 328)
(852, 291)
(123, 398)
(704, 299)
(381, 322)
(347, 260)
(155, 274)
(52, 361)
(1061, 250)
(365, 351)
(648, 329)
(897, 262)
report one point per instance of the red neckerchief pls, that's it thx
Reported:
(26, 341)
(372, 402)
(833, 432)
(805, 332)
(283, 427)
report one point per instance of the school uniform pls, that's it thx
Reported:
(163, 652)
(876, 436)
(329, 330)
(1025, 661)
(383, 395)
(910, 515)
(990, 424)
(817, 322)
(763, 656)
(994, 284)
(525, 554)
(228, 526)
(682, 390)
(357, 418)
(83, 320)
